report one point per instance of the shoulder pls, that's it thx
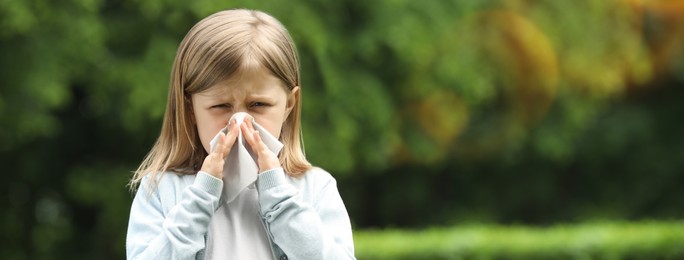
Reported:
(166, 182)
(318, 174)
(165, 187)
(314, 180)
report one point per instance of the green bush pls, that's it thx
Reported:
(492, 111)
(602, 240)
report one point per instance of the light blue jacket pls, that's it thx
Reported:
(304, 217)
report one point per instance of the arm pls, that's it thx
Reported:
(178, 234)
(301, 230)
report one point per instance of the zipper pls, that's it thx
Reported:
(268, 232)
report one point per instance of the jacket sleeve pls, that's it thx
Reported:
(178, 233)
(302, 230)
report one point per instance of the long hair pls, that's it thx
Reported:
(212, 51)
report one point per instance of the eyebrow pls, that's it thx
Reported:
(260, 96)
(218, 98)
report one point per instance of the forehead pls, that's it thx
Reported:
(257, 80)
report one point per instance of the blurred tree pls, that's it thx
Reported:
(510, 111)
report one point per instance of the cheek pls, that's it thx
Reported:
(274, 130)
(207, 128)
(272, 125)
(206, 134)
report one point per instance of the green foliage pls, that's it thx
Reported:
(501, 111)
(603, 240)
(371, 77)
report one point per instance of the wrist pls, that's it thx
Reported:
(271, 178)
(209, 182)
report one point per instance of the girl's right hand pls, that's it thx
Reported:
(213, 164)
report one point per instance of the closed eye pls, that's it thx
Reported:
(221, 106)
(259, 104)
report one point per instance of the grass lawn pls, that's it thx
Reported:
(596, 240)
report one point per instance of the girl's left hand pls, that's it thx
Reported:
(265, 158)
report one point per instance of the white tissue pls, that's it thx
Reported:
(241, 169)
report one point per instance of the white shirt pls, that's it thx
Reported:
(236, 230)
(305, 216)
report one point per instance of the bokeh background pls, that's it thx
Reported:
(494, 129)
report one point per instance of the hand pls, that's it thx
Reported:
(213, 163)
(265, 158)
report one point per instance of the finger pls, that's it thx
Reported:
(249, 122)
(221, 146)
(217, 147)
(248, 134)
(233, 131)
(250, 126)
(259, 143)
(231, 137)
(267, 160)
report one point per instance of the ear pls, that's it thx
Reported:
(292, 100)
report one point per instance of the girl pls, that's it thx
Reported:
(234, 61)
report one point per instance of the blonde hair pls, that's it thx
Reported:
(212, 51)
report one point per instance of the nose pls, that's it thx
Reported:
(240, 117)
(237, 108)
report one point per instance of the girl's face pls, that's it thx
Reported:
(256, 92)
